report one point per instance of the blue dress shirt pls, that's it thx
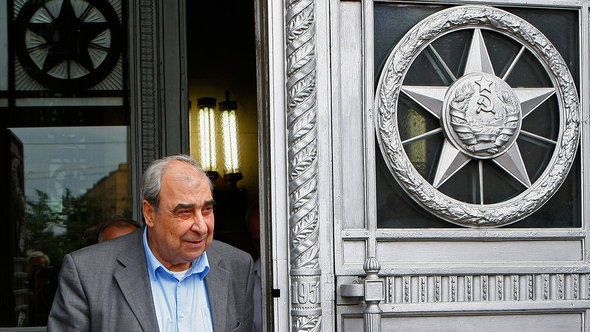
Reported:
(180, 298)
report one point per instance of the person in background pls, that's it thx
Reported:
(39, 280)
(117, 226)
(168, 276)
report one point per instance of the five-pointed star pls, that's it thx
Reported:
(68, 37)
(484, 85)
(452, 159)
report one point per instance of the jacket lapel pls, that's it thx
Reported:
(217, 281)
(134, 282)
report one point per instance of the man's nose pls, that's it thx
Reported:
(199, 224)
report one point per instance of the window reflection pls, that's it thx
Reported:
(74, 179)
(64, 141)
(69, 159)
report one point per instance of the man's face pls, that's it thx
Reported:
(183, 229)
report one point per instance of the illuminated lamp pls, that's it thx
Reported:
(207, 132)
(231, 154)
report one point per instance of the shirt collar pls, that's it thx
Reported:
(200, 265)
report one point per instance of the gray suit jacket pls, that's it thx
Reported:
(106, 287)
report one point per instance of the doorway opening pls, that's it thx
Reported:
(224, 122)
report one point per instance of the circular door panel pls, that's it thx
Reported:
(480, 116)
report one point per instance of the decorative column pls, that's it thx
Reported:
(373, 295)
(305, 272)
(371, 290)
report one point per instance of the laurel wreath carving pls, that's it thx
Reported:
(397, 65)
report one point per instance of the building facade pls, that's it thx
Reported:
(421, 164)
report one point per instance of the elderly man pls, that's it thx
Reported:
(169, 276)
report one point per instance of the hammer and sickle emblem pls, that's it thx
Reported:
(485, 104)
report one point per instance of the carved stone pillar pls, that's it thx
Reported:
(305, 272)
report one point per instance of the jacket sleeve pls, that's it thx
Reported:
(70, 311)
(250, 296)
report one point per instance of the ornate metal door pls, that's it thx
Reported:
(459, 166)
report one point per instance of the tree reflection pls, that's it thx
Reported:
(57, 233)
(52, 234)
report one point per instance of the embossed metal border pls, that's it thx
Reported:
(147, 101)
(400, 166)
(304, 247)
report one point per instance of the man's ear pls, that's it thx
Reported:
(148, 213)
